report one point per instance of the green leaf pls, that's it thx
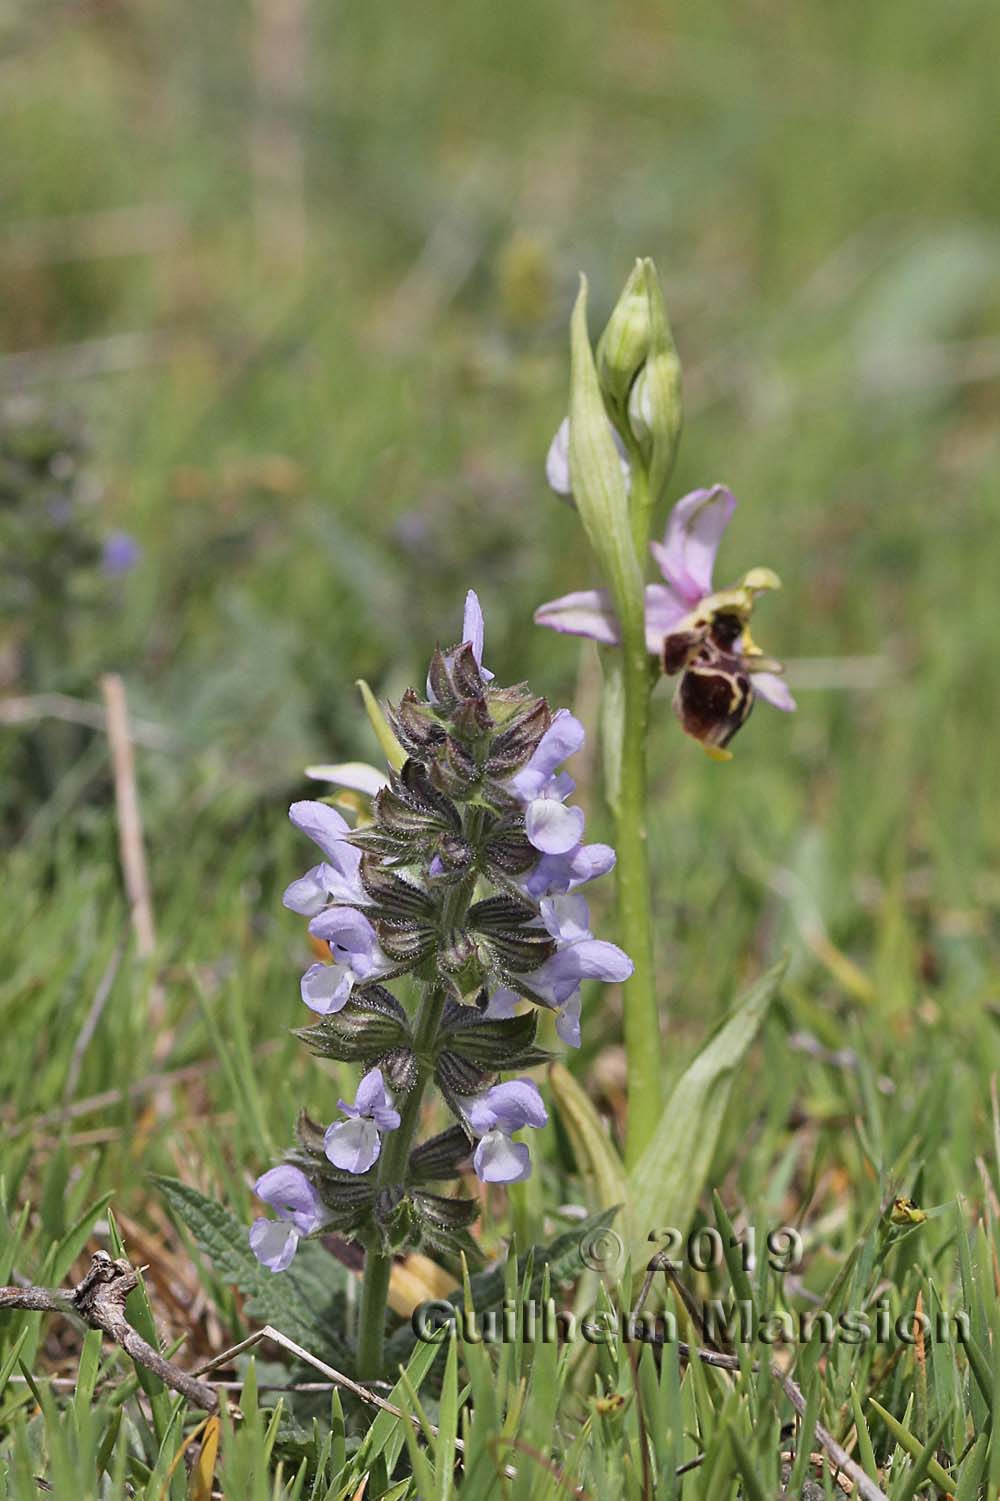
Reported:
(596, 1157)
(666, 1182)
(303, 1302)
(391, 748)
(924, 1455)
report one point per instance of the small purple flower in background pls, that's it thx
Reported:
(119, 553)
(686, 559)
(354, 1145)
(494, 1117)
(300, 1212)
(551, 827)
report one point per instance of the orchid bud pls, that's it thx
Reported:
(624, 344)
(655, 411)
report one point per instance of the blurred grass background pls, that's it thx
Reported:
(301, 273)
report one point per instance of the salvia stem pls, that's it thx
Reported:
(392, 1171)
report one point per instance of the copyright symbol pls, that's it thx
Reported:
(602, 1250)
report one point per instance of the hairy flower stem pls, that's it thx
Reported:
(641, 1017)
(392, 1170)
(396, 1151)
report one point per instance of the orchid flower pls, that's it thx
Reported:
(686, 560)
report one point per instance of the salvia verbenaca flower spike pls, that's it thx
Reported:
(467, 878)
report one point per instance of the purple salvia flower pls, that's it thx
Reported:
(300, 1212)
(502, 1002)
(686, 559)
(494, 1117)
(354, 1145)
(566, 917)
(551, 827)
(356, 954)
(474, 631)
(473, 634)
(120, 553)
(568, 1021)
(337, 879)
(555, 874)
(590, 959)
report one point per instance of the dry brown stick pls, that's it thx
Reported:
(99, 1300)
(133, 855)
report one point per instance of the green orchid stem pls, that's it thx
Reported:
(392, 1166)
(641, 1016)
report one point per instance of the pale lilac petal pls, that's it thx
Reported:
(502, 1004)
(563, 738)
(322, 824)
(566, 917)
(347, 928)
(288, 1190)
(774, 690)
(686, 556)
(473, 628)
(558, 873)
(507, 1107)
(568, 1022)
(357, 776)
(274, 1243)
(497, 1159)
(326, 988)
(587, 612)
(372, 1094)
(555, 981)
(552, 827)
(353, 1146)
(557, 461)
(591, 959)
(597, 959)
(664, 613)
(310, 893)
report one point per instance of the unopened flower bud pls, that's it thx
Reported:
(625, 343)
(655, 412)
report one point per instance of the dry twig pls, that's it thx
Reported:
(99, 1300)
